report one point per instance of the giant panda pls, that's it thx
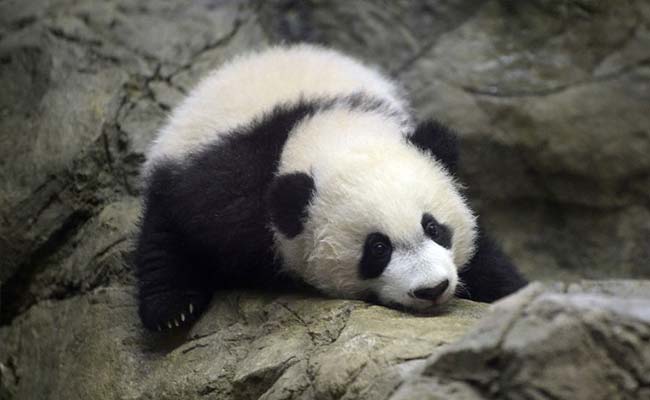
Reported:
(298, 165)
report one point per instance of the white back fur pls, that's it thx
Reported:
(252, 84)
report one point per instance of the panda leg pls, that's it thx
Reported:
(489, 275)
(173, 290)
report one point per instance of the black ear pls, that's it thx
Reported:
(439, 140)
(287, 200)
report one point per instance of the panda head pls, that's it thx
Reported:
(384, 222)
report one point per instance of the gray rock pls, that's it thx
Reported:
(579, 342)
(393, 34)
(248, 345)
(83, 91)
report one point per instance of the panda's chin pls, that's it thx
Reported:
(431, 309)
(414, 306)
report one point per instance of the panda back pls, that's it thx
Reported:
(252, 85)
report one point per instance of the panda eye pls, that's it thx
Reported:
(379, 249)
(438, 232)
(432, 230)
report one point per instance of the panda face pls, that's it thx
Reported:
(416, 276)
(392, 228)
(406, 261)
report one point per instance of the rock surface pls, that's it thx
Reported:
(247, 346)
(575, 342)
(550, 97)
(581, 341)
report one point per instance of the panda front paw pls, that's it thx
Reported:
(179, 321)
(169, 310)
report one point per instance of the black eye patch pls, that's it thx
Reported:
(377, 251)
(438, 232)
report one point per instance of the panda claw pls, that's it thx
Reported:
(159, 328)
(182, 317)
(191, 308)
(176, 323)
(169, 324)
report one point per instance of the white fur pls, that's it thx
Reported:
(368, 179)
(252, 84)
(410, 269)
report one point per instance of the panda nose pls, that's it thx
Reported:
(431, 293)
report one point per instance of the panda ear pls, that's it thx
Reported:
(287, 200)
(440, 141)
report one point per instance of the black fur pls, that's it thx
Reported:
(205, 223)
(440, 141)
(489, 275)
(372, 265)
(443, 233)
(288, 198)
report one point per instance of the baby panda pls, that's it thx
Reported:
(300, 165)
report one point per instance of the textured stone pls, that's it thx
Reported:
(579, 342)
(393, 34)
(248, 345)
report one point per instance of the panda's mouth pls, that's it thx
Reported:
(424, 308)
(414, 306)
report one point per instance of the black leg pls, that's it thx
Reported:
(173, 290)
(489, 275)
